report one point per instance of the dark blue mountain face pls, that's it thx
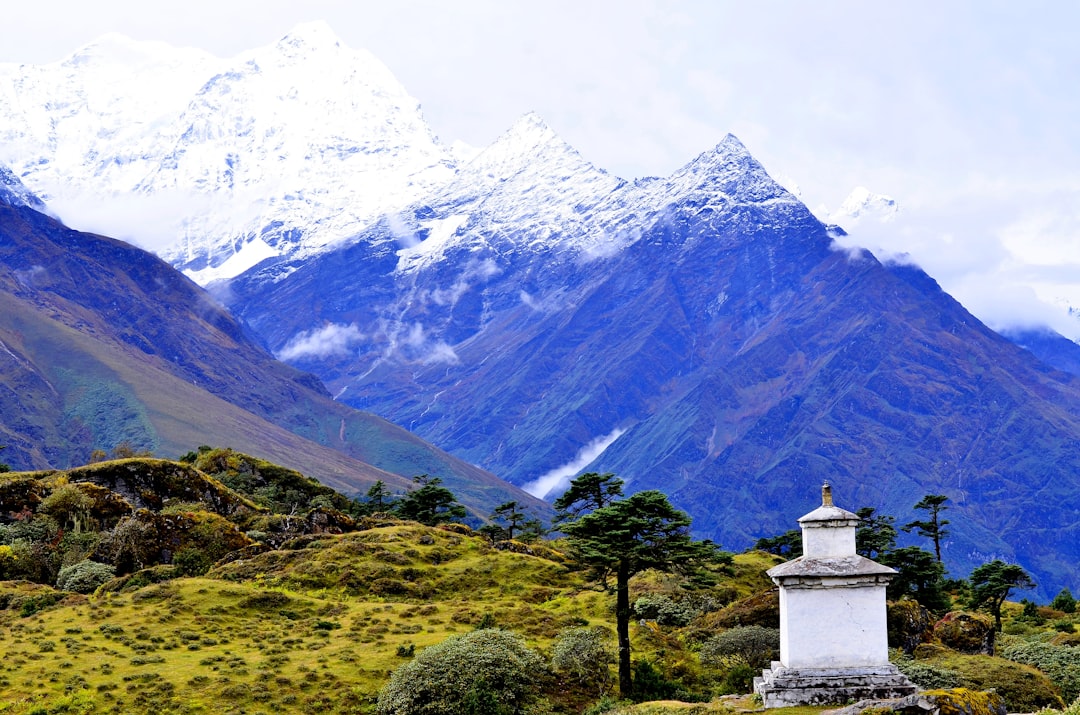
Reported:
(739, 360)
(1052, 348)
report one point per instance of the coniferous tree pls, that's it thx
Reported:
(788, 544)
(431, 504)
(1064, 601)
(588, 492)
(991, 584)
(625, 537)
(509, 513)
(378, 498)
(920, 576)
(876, 534)
(934, 527)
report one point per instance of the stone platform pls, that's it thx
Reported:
(783, 687)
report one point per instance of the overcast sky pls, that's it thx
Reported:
(965, 112)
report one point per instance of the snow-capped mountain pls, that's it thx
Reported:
(862, 203)
(279, 151)
(697, 333)
(14, 193)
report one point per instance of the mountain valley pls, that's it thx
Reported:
(522, 309)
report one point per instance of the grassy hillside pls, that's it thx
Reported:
(254, 592)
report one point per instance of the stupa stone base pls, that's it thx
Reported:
(783, 687)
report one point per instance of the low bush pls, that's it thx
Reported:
(754, 646)
(485, 671)
(585, 655)
(1060, 663)
(84, 577)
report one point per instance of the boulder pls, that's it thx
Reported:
(969, 633)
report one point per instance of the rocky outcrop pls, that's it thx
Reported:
(957, 701)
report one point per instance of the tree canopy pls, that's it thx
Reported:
(431, 504)
(588, 492)
(991, 584)
(933, 527)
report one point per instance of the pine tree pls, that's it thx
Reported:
(431, 504)
(933, 528)
(625, 537)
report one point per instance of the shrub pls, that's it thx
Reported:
(666, 611)
(191, 561)
(583, 654)
(1060, 663)
(1064, 602)
(650, 683)
(755, 646)
(928, 675)
(489, 672)
(1024, 688)
(84, 577)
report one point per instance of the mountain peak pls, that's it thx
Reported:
(527, 134)
(528, 144)
(309, 35)
(863, 202)
(728, 169)
(110, 48)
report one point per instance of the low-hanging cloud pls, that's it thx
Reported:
(1009, 267)
(554, 480)
(475, 271)
(327, 341)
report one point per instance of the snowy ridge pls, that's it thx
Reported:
(862, 203)
(14, 193)
(532, 180)
(529, 179)
(299, 144)
(295, 149)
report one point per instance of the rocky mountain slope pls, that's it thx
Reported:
(102, 343)
(697, 334)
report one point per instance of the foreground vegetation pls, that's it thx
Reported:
(228, 585)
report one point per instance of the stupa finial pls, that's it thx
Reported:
(826, 494)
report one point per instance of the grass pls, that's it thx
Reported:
(281, 634)
(316, 627)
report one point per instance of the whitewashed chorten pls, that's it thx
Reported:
(833, 626)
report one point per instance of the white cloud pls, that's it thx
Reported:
(414, 343)
(405, 235)
(997, 273)
(475, 271)
(327, 341)
(28, 276)
(440, 353)
(554, 480)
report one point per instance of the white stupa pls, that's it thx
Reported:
(833, 627)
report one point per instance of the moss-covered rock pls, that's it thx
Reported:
(964, 701)
(970, 633)
(1024, 688)
(952, 701)
(909, 625)
(153, 483)
(762, 609)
